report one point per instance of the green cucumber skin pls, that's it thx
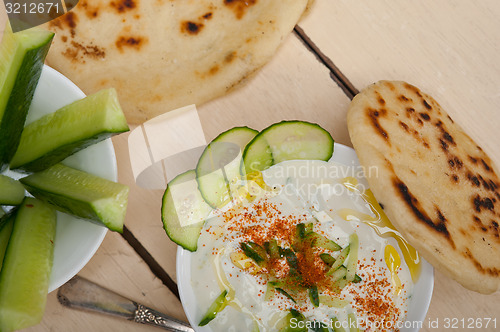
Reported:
(62, 153)
(16, 110)
(199, 172)
(271, 159)
(217, 306)
(6, 224)
(11, 191)
(294, 314)
(67, 205)
(33, 220)
(316, 126)
(263, 164)
(186, 237)
(57, 135)
(62, 195)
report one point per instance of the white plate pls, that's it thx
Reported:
(76, 240)
(418, 306)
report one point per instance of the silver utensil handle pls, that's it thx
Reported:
(145, 315)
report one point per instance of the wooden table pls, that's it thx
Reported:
(449, 48)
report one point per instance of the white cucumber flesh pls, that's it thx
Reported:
(184, 210)
(218, 170)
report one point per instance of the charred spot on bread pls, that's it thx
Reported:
(444, 145)
(239, 7)
(380, 99)
(425, 116)
(403, 98)
(230, 57)
(134, 42)
(374, 116)
(80, 52)
(486, 270)
(191, 28)
(426, 104)
(486, 166)
(481, 203)
(414, 205)
(123, 5)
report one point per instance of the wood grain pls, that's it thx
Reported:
(449, 48)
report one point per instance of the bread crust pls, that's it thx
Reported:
(162, 55)
(437, 186)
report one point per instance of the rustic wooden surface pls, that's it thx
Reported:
(449, 48)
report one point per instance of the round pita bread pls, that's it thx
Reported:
(436, 184)
(161, 55)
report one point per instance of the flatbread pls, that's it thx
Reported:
(437, 186)
(164, 54)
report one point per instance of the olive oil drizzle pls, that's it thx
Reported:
(381, 225)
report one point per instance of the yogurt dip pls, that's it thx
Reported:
(329, 199)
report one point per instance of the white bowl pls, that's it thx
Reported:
(418, 305)
(76, 240)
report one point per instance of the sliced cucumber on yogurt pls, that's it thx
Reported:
(235, 153)
(184, 210)
(217, 171)
(287, 140)
(292, 320)
(217, 306)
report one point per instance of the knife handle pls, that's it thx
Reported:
(145, 315)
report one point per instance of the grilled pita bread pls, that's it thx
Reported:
(161, 55)
(437, 186)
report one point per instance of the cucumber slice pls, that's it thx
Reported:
(6, 223)
(352, 262)
(217, 306)
(81, 194)
(287, 140)
(21, 61)
(338, 274)
(184, 211)
(318, 240)
(336, 325)
(292, 320)
(254, 251)
(329, 261)
(257, 156)
(24, 278)
(314, 296)
(218, 171)
(340, 260)
(55, 136)
(285, 293)
(11, 191)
